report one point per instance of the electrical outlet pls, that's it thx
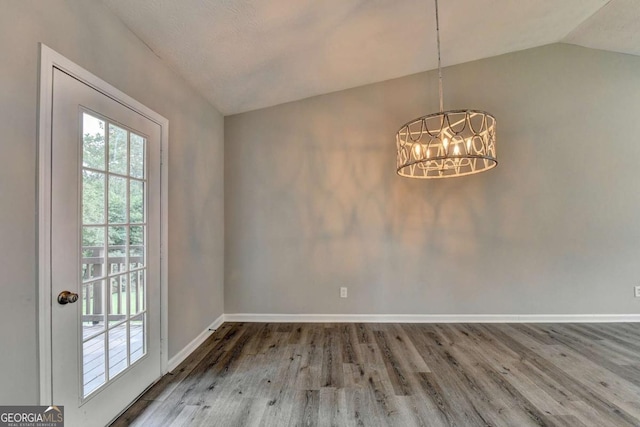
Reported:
(637, 288)
(343, 292)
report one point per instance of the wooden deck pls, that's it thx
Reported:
(402, 375)
(94, 367)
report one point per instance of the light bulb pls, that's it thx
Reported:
(468, 145)
(427, 153)
(456, 150)
(416, 150)
(445, 143)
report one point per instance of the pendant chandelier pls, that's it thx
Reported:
(449, 143)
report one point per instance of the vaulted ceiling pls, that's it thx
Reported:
(248, 54)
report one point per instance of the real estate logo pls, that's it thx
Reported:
(31, 416)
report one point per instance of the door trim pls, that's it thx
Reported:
(48, 60)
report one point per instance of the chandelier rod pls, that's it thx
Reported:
(439, 65)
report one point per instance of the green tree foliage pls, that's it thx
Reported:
(97, 184)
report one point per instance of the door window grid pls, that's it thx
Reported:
(113, 268)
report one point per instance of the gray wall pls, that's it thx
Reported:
(88, 34)
(312, 201)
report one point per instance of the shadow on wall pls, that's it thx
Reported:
(333, 210)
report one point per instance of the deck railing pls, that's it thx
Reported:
(96, 267)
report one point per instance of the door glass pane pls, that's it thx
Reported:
(93, 147)
(117, 150)
(117, 299)
(137, 345)
(137, 156)
(117, 350)
(117, 200)
(92, 252)
(136, 212)
(92, 308)
(93, 362)
(137, 292)
(117, 252)
(136, 246)
(93, 192)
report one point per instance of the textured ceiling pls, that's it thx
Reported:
(615, 27)
(248, 54)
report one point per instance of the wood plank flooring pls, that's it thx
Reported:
(253, 374)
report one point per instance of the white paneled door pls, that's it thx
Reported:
(105, 253)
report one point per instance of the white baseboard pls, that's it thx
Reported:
(431, 318)
(189, 348)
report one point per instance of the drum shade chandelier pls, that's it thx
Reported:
(449, 143)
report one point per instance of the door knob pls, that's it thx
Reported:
(66, 297)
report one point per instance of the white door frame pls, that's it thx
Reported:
(50, 59)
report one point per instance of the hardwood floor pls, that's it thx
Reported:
(252, 374)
